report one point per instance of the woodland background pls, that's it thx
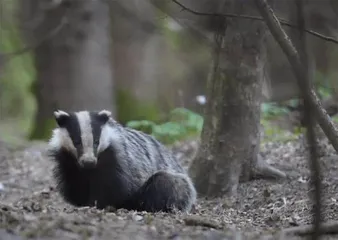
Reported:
(149, 64)
(197, 75)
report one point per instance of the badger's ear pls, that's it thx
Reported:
(61, 117)
(104, 115)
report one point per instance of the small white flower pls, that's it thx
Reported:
(174, 26)
(201, 99)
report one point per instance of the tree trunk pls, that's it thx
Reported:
(229, 152)
(74, 66)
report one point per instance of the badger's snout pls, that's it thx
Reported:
(88, 161)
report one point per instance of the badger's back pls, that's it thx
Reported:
(146, 149)
(139, 155)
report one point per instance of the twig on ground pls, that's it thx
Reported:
(325, 228)
(200, 221)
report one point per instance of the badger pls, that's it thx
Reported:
(100, 163)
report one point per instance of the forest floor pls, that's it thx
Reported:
(30, 207)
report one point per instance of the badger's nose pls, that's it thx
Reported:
(88, 164)
(88, 161)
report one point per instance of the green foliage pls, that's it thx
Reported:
(182, 124)
(173, 38)
(18, 73)
(42, 131)
(128, 107)
(293, 102)
(276, 134)
(143, 125)
(325, 92)
(170, 132)
(271, 110)
(323, 86)
(335, 119)
(192, 121)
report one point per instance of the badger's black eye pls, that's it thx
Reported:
(77, 143)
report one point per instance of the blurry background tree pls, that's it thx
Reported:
(154, 61)
(148, 66)
(73, 67)
(16, 75)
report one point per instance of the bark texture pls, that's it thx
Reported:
(229, 152)
(74, 66)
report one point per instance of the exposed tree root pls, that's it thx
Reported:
(265, 170)
(325, 228)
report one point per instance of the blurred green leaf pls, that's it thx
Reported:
(270, 110)
(182, 124)
(143, 125)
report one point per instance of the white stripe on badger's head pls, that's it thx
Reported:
(87, 155)
(109, 135)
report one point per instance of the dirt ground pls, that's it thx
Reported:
(31, 208)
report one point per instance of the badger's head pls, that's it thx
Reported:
(79, 133)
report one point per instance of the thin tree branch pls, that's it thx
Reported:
(282, 21)
(291, 53)
(315, 182)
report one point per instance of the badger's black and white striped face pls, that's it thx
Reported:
(80, 134)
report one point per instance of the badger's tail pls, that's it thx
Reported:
(165, 191)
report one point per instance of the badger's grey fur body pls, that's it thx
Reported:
(99, 160)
